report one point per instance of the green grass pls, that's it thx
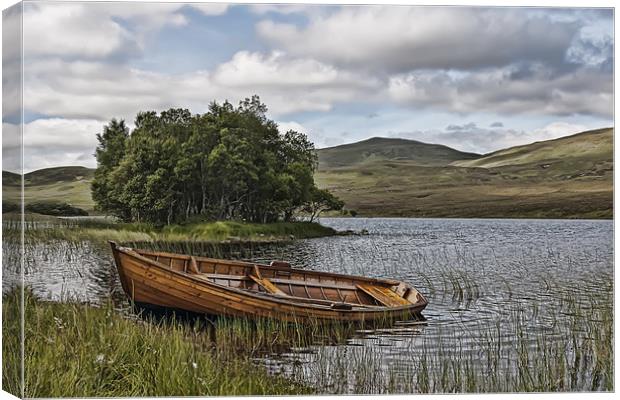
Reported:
(11, 341)
(75, 350)
(225, 230)
(46, 227)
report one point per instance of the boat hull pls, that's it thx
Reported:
(148, 282)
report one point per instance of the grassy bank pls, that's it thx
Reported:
(226, 230)
(75, 350)
(45, 227)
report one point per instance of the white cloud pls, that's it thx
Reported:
(316, 136)
(584, 91)
(11, 32)
(455, 60)
(71, 29)
(11, 138)
(97, 90)
(471, 138)
(211, 8)
(400, 38)
(557, 130)
(51, 142)
(285, 126)
(246, 69)
(93, 89)
(100, 30)
(68, 133)
(285, 9)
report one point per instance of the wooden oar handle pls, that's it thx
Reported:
(282, 264)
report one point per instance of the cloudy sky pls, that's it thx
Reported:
(476, 79)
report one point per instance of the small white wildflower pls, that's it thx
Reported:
(194, 365)
(59, 323)
(100, 358)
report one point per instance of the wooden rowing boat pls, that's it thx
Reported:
(236, 288)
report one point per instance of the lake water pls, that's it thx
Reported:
(497, 284)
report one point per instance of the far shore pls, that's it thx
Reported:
(101, 228)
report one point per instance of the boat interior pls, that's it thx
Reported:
(279, 279)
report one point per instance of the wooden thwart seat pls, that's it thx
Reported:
(383, 295)
(265, 283)
(193, 265)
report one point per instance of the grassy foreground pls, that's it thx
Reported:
(75, 350)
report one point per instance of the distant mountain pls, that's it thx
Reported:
(58, 174)
(389, 149)
(49, 175)
(596, 145)
(11, 179)
(570, 177)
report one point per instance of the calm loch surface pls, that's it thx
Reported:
(494, 287)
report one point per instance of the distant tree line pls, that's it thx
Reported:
(46, 207)
(229, 163)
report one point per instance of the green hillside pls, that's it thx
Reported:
(571, 177)
(66, 184)
(389, 149)
(59, 174)
(10, 178)
(595, 146)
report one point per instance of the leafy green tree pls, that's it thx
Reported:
(322, 200)
(109, 154)
(229, 163)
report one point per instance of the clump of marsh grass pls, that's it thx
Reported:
(75, 350)
(513, 354)
(42, 228)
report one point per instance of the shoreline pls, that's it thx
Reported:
(43, 227)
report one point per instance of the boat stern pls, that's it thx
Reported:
(119, 268)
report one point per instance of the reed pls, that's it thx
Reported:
(509, 356)
(76, 350)
(105, 229)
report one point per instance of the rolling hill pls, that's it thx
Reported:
(570, 177)
(389, 149)
(590, 145)
(66, 184)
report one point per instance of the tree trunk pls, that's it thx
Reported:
(203, 206)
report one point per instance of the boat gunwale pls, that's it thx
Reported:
(391, 282)
(420, 304)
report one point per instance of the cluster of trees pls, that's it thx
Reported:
(229, 163)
